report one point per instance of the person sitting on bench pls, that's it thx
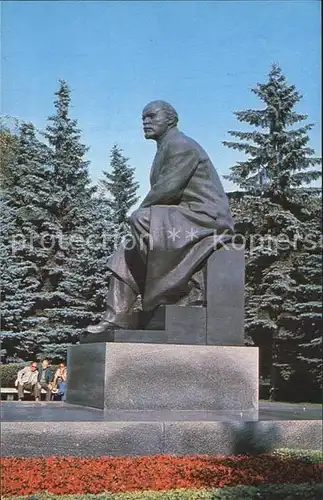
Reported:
(27, 380)
(45, 380)
(60, 382)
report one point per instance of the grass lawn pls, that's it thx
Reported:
(263, 492)
(308, 405)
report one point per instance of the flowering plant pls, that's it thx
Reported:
(65, 475)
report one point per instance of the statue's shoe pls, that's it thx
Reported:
(120, 320)
(102, 327)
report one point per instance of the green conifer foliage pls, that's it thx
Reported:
(13, 273)
(8, 141)
(25, 199)
(70, 215)
(280, 219)
(56, 238)
(279, 158)
(119, 187)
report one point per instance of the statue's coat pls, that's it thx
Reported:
(189, 218)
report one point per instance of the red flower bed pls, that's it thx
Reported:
(84, 475)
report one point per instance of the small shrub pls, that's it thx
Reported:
(308, 456)
(8, 373)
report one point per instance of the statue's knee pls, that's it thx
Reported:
(133, 218)
(139, 216)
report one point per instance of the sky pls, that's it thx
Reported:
(203, 57)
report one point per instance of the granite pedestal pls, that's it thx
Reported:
(145, 377)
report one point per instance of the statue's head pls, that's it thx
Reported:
(158, 117)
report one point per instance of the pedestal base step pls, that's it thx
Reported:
(119, 439)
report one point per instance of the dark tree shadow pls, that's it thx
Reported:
(250, 439)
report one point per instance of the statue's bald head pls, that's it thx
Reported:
(158, 117)
(168, 108)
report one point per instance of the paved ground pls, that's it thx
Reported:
(14, 411)
(285, 411)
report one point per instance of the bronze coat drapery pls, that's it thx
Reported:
(189, 217)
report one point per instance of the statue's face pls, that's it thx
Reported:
(155, 121)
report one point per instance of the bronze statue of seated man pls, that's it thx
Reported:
(182, 220)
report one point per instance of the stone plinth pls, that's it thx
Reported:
(146, 377)
(225, 288)
(196, 337)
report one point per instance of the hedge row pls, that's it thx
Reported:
(8, 373)
(265, 492)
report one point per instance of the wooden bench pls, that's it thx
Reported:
(10, 392)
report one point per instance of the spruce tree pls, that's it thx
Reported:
(55, 241)
(8, 142)
(87, 275)
(13, 272)
(280, 158)
(25, 199)
(71, 206)
(119, 187)
(70, 177)
(283, 294)
(297, 363)
(277, 215)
